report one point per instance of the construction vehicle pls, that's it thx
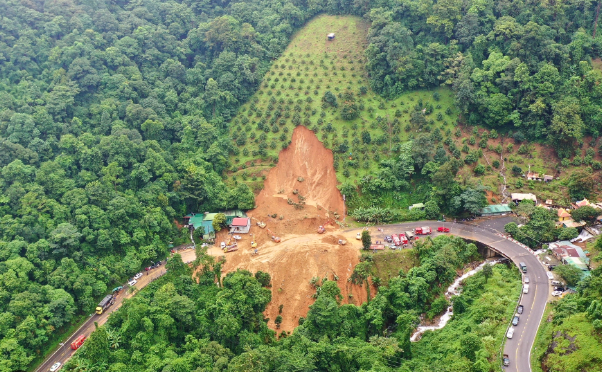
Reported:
(253, 244)
(261, 224)
(425, 230)
(342, 242)
(443, 229)
(105, 304)
(321, 230)
(78, 342)
(274, 237)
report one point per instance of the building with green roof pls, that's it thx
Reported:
(495, 210)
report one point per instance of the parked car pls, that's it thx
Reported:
(510, 332)
(132, 282)
(556, 293)
(561, 289)
(388, 239)
(520, 309)
(515, 320)
(526, 279)
(55, 367)
(526, 288)
(138, 276)
(551, 267)
(506, 360)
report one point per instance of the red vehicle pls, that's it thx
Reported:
(443, 229)
(403, 239)
(425, 230)
(78, 342)
(396, 240)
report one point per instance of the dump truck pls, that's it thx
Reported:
(261, 224)
(105, 304)
(425, 230)
(321, 230)
(342, 242)
(78, 342)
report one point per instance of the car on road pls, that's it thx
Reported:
(138, 276)
(556, 293)
(526, 279)
(510, 332)
(55, 367)
(443, 229)
(132, 282)
(526, 288)
(515, 320)
(506, 360)
(520, 309)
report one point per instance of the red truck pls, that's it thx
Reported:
(396, 240)
(78, 342)
(425, 230)
(403, 238)
(443, 229)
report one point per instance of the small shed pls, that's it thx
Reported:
(240, 225)
(417, 206)
(547, 178)
(495, 210)
(330, 36)
(518, 197)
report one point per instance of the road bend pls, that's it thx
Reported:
(519, 347)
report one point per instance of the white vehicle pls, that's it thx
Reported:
(358, 236)
(132, 282)
(510, 332)
(557, 293)
(55, 367)
(526, 280)
(526, 288)
(556, 283)
(138, 276)
(222, 245)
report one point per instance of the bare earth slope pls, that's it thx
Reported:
(302, 253)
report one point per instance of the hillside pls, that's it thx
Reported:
(293, 91)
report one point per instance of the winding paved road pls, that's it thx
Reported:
(519, 347)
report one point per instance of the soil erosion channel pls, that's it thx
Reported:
(299, 195)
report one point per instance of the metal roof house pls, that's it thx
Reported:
(240, 225)
(231, 215)
(495, 210)
(417, 205)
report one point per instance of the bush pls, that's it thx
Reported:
(496, 163)
(516, 170)
(479, 170)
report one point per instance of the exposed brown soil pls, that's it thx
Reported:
(303, 253)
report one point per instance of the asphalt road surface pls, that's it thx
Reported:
(64, 352)
(519, 347)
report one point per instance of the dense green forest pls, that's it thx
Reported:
(179, 325)
(114, 122)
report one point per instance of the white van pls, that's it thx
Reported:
(526, 288)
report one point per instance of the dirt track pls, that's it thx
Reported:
(303, 253)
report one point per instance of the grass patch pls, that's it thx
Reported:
(387, 265)
(292, 92)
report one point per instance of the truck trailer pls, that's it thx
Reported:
(105, 304)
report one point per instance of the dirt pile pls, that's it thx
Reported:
(299, 195)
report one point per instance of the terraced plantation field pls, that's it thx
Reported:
(323, 85)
